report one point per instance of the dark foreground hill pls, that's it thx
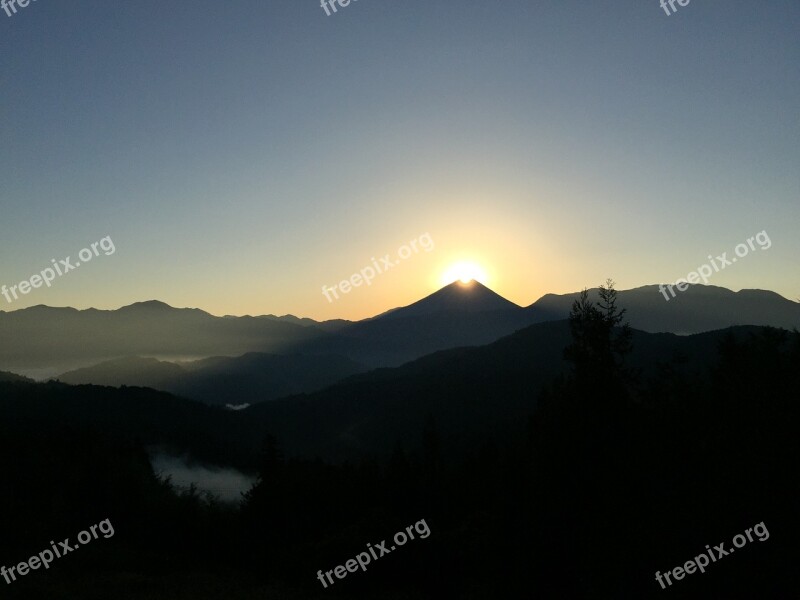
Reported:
(572, 493)
(467, 391)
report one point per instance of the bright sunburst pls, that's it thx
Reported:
(464, 272)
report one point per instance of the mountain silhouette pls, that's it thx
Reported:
(66, 338)
(471, 297)
(150, 307)
(63, 339)
(699, 308)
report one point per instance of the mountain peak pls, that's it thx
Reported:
(147, 305)
(458, 296)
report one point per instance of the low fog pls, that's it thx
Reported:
(224, 482)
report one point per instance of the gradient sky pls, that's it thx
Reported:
(242, 154)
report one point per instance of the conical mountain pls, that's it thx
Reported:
(472, 297)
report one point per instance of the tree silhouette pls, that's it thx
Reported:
(600, 341)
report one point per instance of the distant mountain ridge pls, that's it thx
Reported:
(699, 308)
(45, 336)
(456, 315)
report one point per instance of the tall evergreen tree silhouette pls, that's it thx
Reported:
(600, 341)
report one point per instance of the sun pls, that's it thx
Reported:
(464, 272)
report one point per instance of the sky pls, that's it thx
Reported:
(241, 155)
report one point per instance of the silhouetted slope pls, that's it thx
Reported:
(129, 414)
(394, 341)
(133, 371)
(251, 378)
(467, 390)
(11, 377)
(257, 377)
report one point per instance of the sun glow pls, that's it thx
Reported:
(464, 272)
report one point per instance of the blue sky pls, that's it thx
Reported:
(242, 154)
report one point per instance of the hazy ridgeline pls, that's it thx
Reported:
(48, 342)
